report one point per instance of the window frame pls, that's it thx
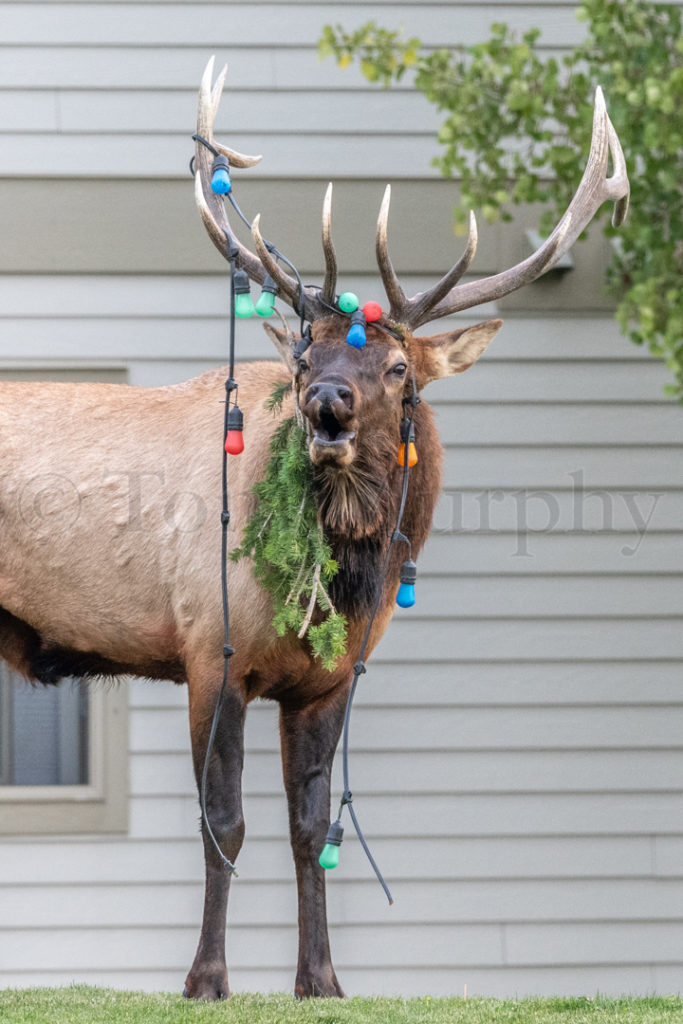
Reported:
(101, 804)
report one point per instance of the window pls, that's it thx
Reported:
(44, 733)
(63, 757)
(63, 749)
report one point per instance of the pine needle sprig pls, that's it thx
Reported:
(277, 396)
(291, 556)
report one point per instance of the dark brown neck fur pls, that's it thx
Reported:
(359, 523)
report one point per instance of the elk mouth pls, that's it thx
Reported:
(331, 441)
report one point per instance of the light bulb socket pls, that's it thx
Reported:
(270, 285)
(241, 283)
(407, 430)
(235, 418)
(335, 834)
(304, 342)
(409, 573)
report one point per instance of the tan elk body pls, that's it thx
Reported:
(110, 510)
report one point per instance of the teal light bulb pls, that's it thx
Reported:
(329, 858)
(348, 302)
(266, 302)
(244, 307)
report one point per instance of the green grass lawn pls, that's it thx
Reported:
(82, 1005)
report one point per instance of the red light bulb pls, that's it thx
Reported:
(372, 311)
(234, 442)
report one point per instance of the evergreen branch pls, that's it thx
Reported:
(284, 538)
(274, 401)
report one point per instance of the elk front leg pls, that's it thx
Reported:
(208, 977)
(309, 737)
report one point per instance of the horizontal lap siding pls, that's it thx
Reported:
(517, 750)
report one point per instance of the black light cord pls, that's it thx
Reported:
(359, 668)
(228, 651)
(299, 308)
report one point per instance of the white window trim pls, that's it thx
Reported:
(100, 805)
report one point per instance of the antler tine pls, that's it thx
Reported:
(398, 302)
(211, 206)
(594, 189)
(420, 305)
(330, 283)
(212, 102)
(287, 285)
(619, 180)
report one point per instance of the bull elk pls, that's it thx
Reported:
(99, 598)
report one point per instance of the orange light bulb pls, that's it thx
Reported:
(412, 455)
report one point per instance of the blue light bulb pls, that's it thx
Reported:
(406, 595)
(405, 598)
(220, 176)
(220, 182)
(356, 334)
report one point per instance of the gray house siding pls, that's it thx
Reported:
(517, 745)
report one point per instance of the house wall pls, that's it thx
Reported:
(517, 745)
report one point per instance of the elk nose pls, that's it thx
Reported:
(329, 394)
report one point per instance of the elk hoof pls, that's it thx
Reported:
(319, 986)
(209, 987)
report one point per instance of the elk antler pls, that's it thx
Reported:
(449, 297)
(286, 283)
(212, 210)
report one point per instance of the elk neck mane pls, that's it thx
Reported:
(358, 508)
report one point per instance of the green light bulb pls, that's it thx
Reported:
(266, 304)
(244, 307)
(348, 302)
(329, 858)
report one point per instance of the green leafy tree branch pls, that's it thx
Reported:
(517, 128)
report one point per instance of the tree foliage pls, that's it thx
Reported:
(517, 128)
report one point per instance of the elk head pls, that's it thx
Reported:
(352, 399)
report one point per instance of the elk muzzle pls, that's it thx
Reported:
(329, 408)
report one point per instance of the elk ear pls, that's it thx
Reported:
(442, 355)
(284, 342)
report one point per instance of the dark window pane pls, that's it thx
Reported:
(44, 733)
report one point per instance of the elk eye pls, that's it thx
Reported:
(303, 366)
(399, 369)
